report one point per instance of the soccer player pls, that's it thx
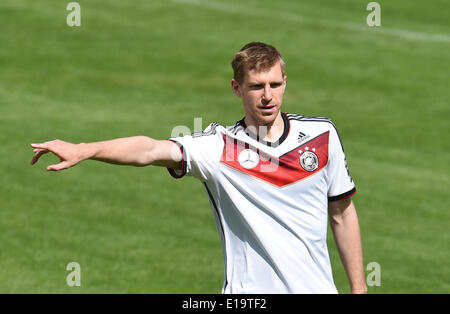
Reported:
(273, 180)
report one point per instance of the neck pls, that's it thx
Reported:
(269, 132)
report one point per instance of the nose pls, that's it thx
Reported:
(267, 96)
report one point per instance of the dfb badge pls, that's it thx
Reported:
(309, 161)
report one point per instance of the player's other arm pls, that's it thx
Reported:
(345, 227)
(136, 151)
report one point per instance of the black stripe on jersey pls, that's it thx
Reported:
(211, 131)
(211, 198)
(306, 117)
(238, 128)
(183, 163)
(235, 128)
(299, 117)
(293, 116)
(342, 196)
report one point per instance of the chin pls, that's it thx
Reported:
(268, 119)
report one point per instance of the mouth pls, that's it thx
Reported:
(267, 109)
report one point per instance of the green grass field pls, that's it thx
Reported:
(144, 67)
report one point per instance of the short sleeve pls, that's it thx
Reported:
(340, 183)
(201, 153)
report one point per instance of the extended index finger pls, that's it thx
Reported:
(40, 145)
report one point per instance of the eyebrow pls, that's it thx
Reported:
(254, 84)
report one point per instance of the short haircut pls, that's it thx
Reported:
(256, 56)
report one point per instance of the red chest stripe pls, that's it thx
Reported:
(279, 171)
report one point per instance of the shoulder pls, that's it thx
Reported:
(208, 137)
(235, 128)
(212, 129)
(314, 126)
(314, 123)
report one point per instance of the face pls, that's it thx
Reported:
(262, 95)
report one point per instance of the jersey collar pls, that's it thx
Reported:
(271, 144)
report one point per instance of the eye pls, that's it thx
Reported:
(275, 85)
(256, 86)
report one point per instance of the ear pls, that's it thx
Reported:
(284, 83)
(236, 88)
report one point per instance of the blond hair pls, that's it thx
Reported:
(256, 56)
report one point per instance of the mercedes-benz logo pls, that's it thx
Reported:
(248, 159)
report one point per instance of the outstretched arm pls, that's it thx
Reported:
(345, 227)
(137, 151)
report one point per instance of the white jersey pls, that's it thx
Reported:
(270, 201)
